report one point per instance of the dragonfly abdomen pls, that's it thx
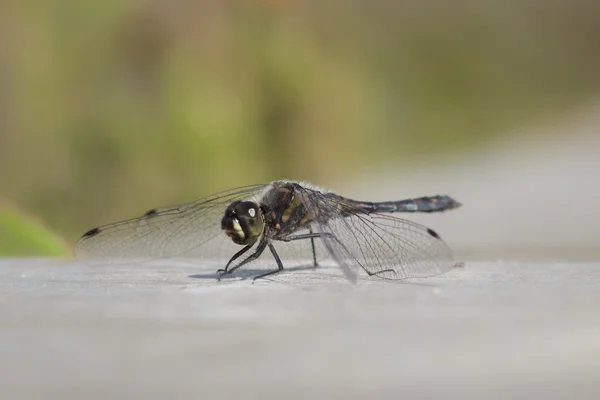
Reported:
(421, 204)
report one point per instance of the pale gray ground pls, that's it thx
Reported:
(524, 324)
(488, 330)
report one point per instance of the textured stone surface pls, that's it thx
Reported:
(488, 330)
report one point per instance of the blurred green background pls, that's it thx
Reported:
(111, 108)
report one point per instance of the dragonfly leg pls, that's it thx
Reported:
(331, 236)
(378, 272)
(300, 237)
(251, 257)
(312, 244)
(277, 260)
(310, 236)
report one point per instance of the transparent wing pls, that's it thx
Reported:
(382, 244)
(186, 230)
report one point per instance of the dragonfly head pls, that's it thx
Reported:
(243, 222)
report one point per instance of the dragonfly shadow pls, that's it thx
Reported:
(249, 273)
(409, 282)
(244, 274)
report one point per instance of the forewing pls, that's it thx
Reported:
(186, 230)
(382, 244)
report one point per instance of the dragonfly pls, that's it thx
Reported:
(294, 220)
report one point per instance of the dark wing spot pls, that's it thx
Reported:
(91, 232)
(151, 213)
(433, 233)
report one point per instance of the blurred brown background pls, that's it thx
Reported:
(110, 108)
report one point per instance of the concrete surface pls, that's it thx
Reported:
(169, 330)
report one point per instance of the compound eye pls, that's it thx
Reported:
(231, 209)
(247, 209)
(249, 215)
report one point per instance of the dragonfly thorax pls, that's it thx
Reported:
(243, 222)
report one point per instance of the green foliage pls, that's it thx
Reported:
(22, 236)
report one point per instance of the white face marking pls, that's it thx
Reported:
(238, 229)
(252, 212)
